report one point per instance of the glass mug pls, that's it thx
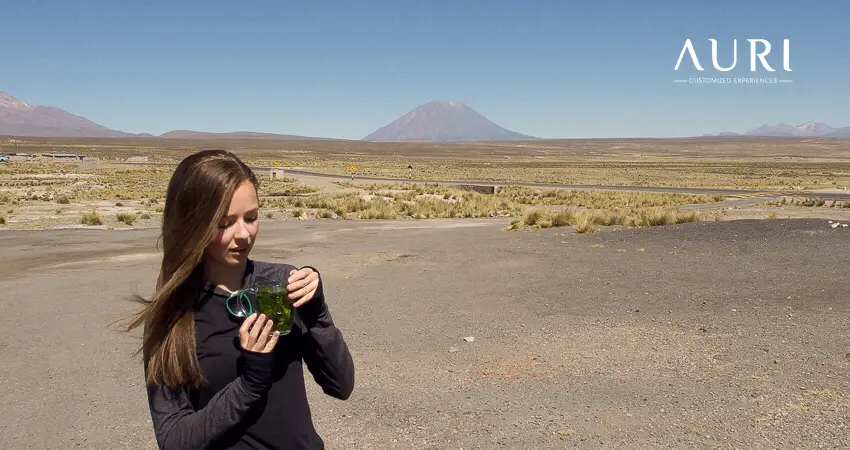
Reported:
(271, 299)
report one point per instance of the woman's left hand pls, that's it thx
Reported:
(302, 285)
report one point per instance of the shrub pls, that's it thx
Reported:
(584, 223)
(563, 218)
(516, 224)
(532, 217)
(127, 218)
(379, 209)
(92, 218)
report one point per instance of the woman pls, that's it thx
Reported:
(214, 379)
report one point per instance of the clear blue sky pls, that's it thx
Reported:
(555, 69)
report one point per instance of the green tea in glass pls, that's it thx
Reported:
(272, 300)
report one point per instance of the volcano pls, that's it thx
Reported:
(444, 122)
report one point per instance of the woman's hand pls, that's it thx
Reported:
(302, 285)
(255, 337)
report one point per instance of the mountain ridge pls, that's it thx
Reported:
(18, 118)
(805, 129)
(192, 134)
(441, 121)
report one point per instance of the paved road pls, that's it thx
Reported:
(733, 193)
(707, 191)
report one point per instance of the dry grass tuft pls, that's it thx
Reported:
(590, 220)
(806, 202)
(127, 218)
(585, 223)
(416, 204)
(532, 217)
(600, 199)
(516, 224)
(563, 218)
(92, 218)
(377, 209)
(539, 208)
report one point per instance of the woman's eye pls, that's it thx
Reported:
(230, 224)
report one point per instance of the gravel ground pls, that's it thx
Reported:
(704, 335)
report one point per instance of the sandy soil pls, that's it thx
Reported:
(704, 335)
(761, 211)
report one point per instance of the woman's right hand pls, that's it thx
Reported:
(255, 337)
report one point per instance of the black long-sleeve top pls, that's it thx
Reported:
(253, 400)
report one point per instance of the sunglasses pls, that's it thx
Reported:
(241, 304)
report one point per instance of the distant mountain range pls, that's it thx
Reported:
(21, 119)
(440, 121)
(444, 122)
(189, 134)
(808, 129)
(433, 121)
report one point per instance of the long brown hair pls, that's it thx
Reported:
(198, 196)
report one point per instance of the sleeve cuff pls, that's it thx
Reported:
(258, 369)
(313, 311)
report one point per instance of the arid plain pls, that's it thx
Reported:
(689, 295)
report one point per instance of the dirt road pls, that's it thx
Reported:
(704, 335)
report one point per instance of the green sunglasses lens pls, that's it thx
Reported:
(242, 307)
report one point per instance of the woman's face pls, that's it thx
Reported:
(238, 229)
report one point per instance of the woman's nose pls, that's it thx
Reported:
(242, 230)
